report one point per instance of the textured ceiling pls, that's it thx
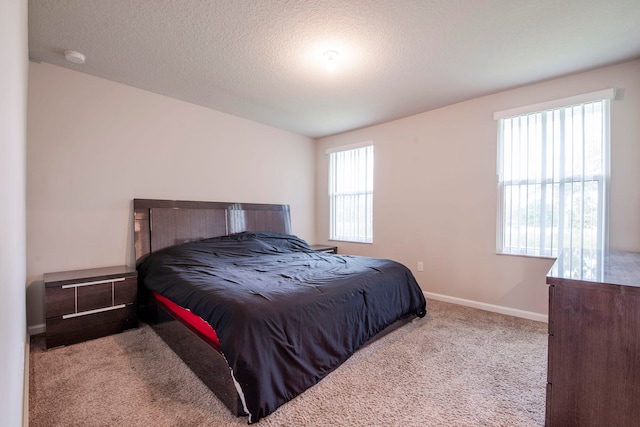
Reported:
(263, 60)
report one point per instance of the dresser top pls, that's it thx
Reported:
(88, 275)
(608, 267)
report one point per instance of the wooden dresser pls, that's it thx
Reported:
(594, 340)
(87, 304)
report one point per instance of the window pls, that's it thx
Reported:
(553, 176)
(351, 193)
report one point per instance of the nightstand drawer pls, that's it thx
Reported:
(126, 291)
(93, 297)
(85, 304)
(59, 301)
(77, 329)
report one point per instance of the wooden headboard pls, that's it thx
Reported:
(158, 224)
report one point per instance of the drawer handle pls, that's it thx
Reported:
(97, 310)
(77, 285)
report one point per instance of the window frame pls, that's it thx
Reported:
(602, 179)
(367, 237)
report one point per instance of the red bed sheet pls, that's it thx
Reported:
(194, 321)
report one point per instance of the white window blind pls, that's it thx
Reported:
(351, 194)
(553, 168)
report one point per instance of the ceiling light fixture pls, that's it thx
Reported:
(331, 57)
(75, 57)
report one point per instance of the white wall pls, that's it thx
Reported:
(435, 190)
(94, 145)
(13, 110)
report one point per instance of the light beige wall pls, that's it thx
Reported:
(94, 145)
(435, 190)
(13, 111)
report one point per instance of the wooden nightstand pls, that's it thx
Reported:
(325, 248)
(86, 304)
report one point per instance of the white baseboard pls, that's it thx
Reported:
(489, 307)
(37, 329)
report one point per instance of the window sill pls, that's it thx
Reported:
(527, 256)
(351, 241)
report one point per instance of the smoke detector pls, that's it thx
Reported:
(75, 57)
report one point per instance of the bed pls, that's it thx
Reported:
(256, 313)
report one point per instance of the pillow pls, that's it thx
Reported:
(286, 242)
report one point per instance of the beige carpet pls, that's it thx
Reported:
(456, 367)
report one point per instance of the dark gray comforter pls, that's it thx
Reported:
(285, 315)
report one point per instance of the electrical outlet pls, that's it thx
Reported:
(420, 266)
